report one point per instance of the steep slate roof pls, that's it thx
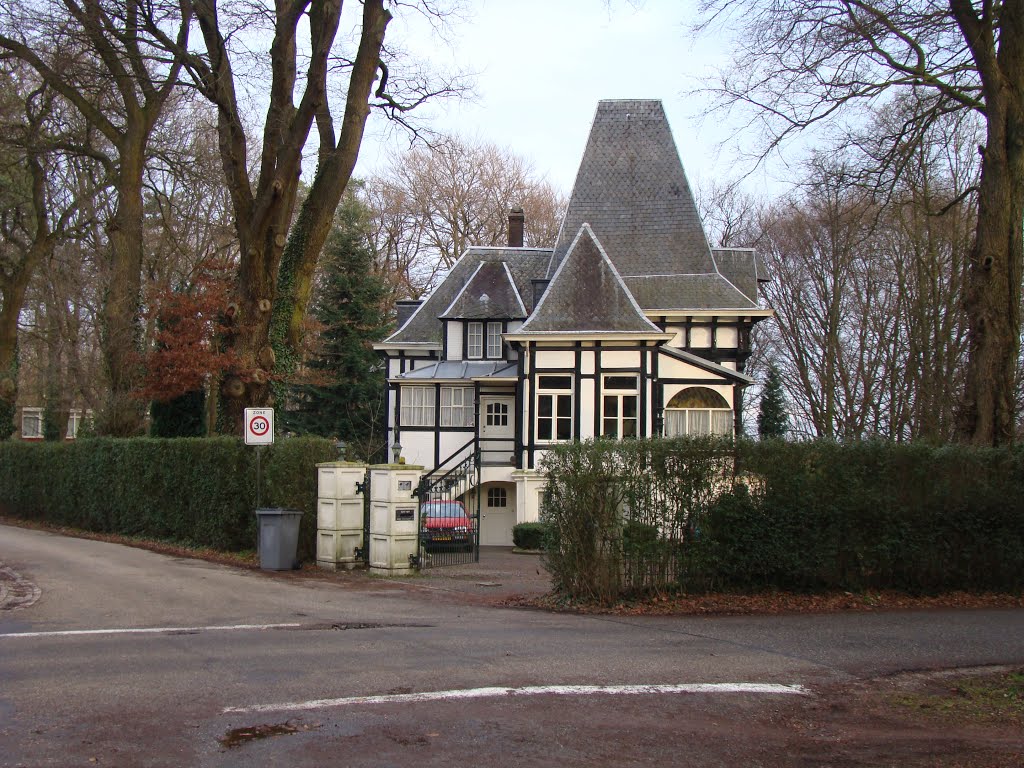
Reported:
(586, 294)
(425, 325)
(490, 293)
(646, 244)
(740, 267)
(700, 291)
(633, 191)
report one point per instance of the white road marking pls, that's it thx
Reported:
(534, 690)
(145, 630)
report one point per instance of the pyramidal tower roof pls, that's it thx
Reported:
(586, 295)
(633, 191)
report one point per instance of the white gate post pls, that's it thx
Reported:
(339, 514)
(394, 518)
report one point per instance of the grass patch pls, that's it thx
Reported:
(985, 699)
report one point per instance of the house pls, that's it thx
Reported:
(28, 422)
(631, 326)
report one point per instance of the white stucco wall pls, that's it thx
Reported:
(727, 337)
(418, 448)
(700, 336)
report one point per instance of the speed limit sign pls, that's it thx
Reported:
(259, 426)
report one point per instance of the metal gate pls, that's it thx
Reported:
(450, 514)
(363, 553)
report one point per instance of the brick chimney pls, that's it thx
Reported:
(516, 222)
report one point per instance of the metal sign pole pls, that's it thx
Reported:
(259, 477)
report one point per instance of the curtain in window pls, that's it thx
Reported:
(456, 407)
(721, 422)
(699, 422)
(675, 423)
(417, 406)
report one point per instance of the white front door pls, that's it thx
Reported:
(497, 429)
(497, 514)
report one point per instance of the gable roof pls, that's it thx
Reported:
(705, 364)
(586, 294)
(490, 293)
(426, 327)
(632, 190)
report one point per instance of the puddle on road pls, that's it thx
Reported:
(238, 737)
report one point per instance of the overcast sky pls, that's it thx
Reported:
(542, 66)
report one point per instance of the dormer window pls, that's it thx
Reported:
(475, 341)
(483, 340)
(494, 341)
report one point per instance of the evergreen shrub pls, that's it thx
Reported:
(700, 514)
(193, 491)
(529, 535)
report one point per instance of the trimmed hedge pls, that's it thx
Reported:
(529, 535)
(194, 491)
(807, 516)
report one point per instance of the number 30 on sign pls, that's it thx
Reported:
(259, 426)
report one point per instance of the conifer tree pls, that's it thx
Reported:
(345, 396)
(772, 419)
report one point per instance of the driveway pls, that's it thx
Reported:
(128, 657)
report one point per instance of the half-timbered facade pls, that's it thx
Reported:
(631, 326)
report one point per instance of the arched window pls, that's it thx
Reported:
(698, 411)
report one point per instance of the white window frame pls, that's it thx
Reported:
(75, 417)
(37, 417)
(619, 395)
(494, 343)
(497, 498)
(475, 340)
(417, 406)
(555, 396)
(457, 407)
(496, 413)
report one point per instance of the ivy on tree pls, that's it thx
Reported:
(772, 419)
(343, 395)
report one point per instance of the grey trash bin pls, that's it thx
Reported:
(279, 538)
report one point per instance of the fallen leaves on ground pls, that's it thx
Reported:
(730, 604)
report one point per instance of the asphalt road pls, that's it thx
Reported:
(228, 660)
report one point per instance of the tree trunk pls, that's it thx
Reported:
(122, 414)
(993, 293)
(316, 215)
(13, 301)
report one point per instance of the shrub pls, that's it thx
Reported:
(529, 535)
(290, 482)
(821, 515)
(193, 491)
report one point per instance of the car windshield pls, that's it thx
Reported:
(444, 509)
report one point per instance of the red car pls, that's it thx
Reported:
(445, 524)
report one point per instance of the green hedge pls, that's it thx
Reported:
(195, 491)
(529, 535)
(707, 515)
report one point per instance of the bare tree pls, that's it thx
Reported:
(834, 315)
(808, 62)
(433, 203)
(39, 207)
(97, 56)
(275, 271)
(869, 334)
